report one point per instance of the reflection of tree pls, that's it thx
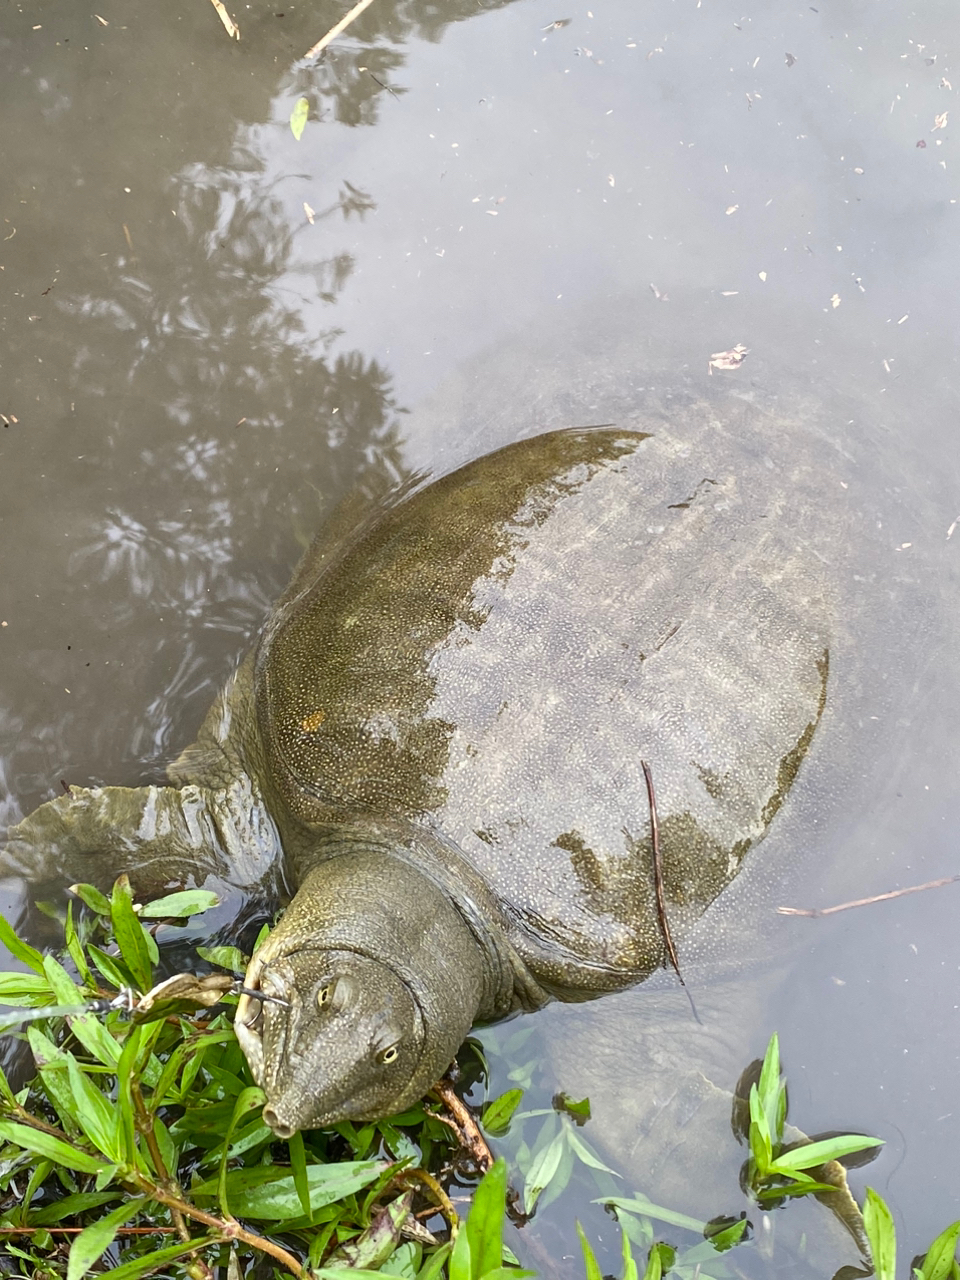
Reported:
(224, 430)
(185, 419)
(354, 72)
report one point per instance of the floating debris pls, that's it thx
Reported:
(731, 359)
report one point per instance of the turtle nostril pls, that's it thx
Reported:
(279, 1128)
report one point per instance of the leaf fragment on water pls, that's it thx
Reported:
(298, 117)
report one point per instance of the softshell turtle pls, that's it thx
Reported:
(442, 730)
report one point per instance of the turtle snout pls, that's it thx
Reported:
(279, 1127)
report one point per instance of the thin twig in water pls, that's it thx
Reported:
(866, 902)
(231, 28)
(334, 31)
(658, 884)
(658, 873)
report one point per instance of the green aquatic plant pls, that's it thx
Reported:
(142, 1123)
(142, 1127)
(779, 1168)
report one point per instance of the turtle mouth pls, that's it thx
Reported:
(248, 1021)
(249, 1014)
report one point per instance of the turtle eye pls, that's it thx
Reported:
(388, 1055)
(323, 995)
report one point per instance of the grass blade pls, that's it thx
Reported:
(484, 1225)
(93, 1241)
(813, 1154)
(591, 1266)
(50, 1147)
(132, 939)
(938, 1263)
(878, 1222)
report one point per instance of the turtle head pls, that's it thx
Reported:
(337, 1036)
(359, 999)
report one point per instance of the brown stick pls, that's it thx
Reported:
(335, 30)
(658, 884)
(144, 1123)
(658, 873)
(444, 1203)
(231, 28)
(466, 1128)
(227, 1230)
(866, 902)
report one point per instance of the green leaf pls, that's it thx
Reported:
(75, 948)
(50, 1147)
(106, 1176)
(21, 951)
(878, 1222)
(647, 1209)
(112, 969)
(542, 1169)
(231, 958)
(248, 1100)
(761, 1142)
(129, 1058)
(403, 1261)
(379, 1242)
(770, 1195)
(347, 1273)
(138, 949)
(581, 1149)
(41, 1171)
(70, 1207)
(298, 1163)
(498, 1114)
(298, 117)
(812, 1154)
(6, 1093)
(97, 1119)
(460, 1264)
(93, 1241)
(94, 899)
(938, 1263)
(148, 1263)
(629, 1266)
(590, 1263)
(506, 1273)
(654, 1267)
(667, 1255)
(484, 1227)
(96, 1039)
(770, 1088)
(178, 906)
(580, 1111)
(24, 988)
(434, 1265)
(560, 1180)
(56, 1083)
(65, 990)
(724, 1233)
(261, 1193)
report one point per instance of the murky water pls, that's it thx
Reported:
(211, 331)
